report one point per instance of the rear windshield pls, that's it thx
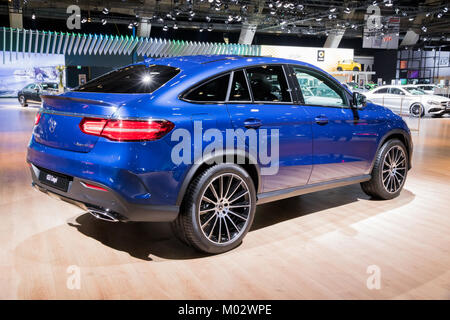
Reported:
(132, 79)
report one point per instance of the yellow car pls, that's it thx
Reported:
(348, 65)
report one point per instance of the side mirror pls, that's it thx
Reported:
(358, 100)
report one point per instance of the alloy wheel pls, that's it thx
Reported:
(224, 209)
(394, 169)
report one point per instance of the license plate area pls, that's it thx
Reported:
(55, 180)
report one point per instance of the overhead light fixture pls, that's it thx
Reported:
(300, 7)
(388, 3)
(165, 27)
(200, 30)
(439, 15)
(84, 20)
(347, 10)
(333, 9)
(105, 10)
(175, 26)
(104, 21)
(210, 28)
(208, 18)
(33, 16)
(130, 26)
(135, 23)
(318, 19)
(445, 10)
(411, 19)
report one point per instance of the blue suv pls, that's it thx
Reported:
(199, 141)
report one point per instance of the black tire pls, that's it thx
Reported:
(376, 186)
(188, 227)
(339, 68)
(417, 110)
(355, 69)
(22, 101)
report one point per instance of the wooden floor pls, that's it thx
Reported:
(317, 246)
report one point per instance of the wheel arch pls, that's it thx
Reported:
(250, 166)
(401, 135)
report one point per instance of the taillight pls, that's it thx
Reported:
(126, 130)
(37, 118)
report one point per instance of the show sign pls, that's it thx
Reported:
(325, 58)
(21, 70)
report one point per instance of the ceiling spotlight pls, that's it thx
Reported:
(105, 10)
(300, 7)
(210, 28)
(439, 15)
(130, 26)
(33, 16)
(411, 19)
(428, 14)
(347, 10)
(273, 12)
(445, 10)
(200, 30)
(388, 3)
(104, 21)
(175, 26)
(191, 13)
(165, 28)
(333, 9)
(208, 18)
(84, 20)
(271, 5)
(397, 10)
(135, 23)
(404, 14)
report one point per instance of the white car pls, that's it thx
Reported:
(409, 99)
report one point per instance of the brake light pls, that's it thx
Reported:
(126, 130)
(37, 118)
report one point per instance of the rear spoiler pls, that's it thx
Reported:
(48, 98)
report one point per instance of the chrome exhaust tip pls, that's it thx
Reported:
(103, 214)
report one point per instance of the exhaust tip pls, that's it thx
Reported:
(103, 215)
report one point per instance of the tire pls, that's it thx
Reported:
(23, 101)
(387, 181)
(339, 68)
(218, 229)
(355, 69)
(415, 108)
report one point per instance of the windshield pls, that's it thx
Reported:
(131, 79)
(415, 91)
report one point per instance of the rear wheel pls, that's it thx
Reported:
(22, 101)
(218, 209)
(355, 69)
(339, 68)
(389, 171)
(417, 110)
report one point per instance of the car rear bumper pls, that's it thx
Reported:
(106, 205)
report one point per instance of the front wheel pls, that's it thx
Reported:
(389, 171)
(218, 209)
(22, 101)
(417, 110)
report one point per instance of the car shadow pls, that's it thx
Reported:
(144, 240)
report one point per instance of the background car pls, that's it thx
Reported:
(348, 65)
(112, 145)
(409, 99)
(32, 92)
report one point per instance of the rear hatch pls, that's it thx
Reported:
(98, 98)
(58, 126)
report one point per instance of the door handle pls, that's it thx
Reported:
(321, 120)
(252, 123)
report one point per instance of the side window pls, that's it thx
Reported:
(381, 91)
(268, 83)
(211, 91)
(396, 91)
(319, 91)
(239, 89)
(30, 87)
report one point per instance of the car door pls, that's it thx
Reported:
(28, 91)
(378, 95)
(395, 100)
(269, 107)
(344, 139)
